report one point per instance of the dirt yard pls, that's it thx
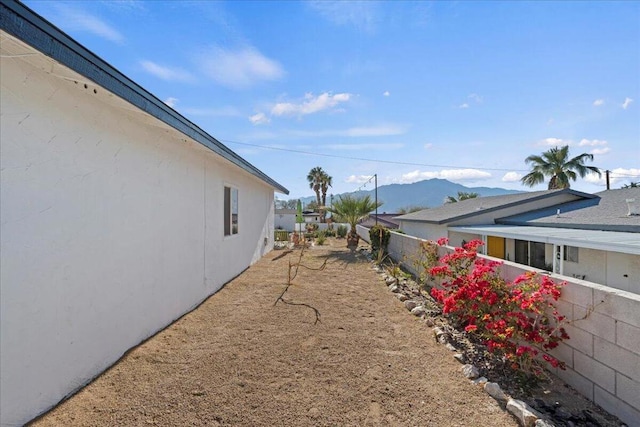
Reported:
(240, 360)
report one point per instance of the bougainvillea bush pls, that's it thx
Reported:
(517, 319)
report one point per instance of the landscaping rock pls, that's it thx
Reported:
(523, 412)
(450, 347)
(470, 371)
(394, 288)
(410, 304)
(429, 322)
(418, 311)
(391, 280)
(494, 390)
(459, 357)
(544, 423)
(480, 381)
(402, 297)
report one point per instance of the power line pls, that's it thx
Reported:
(394, 162)
(311, 153)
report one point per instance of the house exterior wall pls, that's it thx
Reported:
(603, 352)
(424, 230)
(613, 269)
(112, 227)
(285, 221)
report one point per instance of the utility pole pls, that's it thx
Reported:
(606, 174)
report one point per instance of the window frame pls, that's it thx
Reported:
(231, 196)
(571, 253)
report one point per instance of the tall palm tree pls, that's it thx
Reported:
(555, 163)
(315, 178)
(319, 182)
(324, 186)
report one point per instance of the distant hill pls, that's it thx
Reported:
(430, 193)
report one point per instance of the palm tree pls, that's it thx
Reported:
(462, 195)
(315, 177)
(555, 163)
(352, 209)
(319, 182)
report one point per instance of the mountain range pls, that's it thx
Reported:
(428, 193)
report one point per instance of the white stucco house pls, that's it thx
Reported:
(594, 237)
(118, 215)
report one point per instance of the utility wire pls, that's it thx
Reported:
(370, 160)
(394, 162)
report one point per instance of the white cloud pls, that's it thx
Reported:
(465, 105)
(171, 102)
(358, 179)
(617, 177)
(598, 102)
(240, 68)
(311, 104)
(368, 131)
(592, 142)
(599, 151)
(76, 20)
(259, 119)
(450, 174)
(475, 97)
(386, 93)
(511, 177)
(166, 73)
(555, 142)
(361, 14)
(626, 103)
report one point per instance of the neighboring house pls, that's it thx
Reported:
(311, 217)
(588, 236)
(285, 219)
(119, 215)
(384, 219)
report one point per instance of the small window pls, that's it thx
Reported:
(571, 253)
(230, 211)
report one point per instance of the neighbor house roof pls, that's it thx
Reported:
(607, 211)
(593, 239)
(21, 22)
(467, 208)
(384, 219)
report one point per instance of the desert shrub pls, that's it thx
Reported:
(321, 238)
(379, 236)
(342, 231)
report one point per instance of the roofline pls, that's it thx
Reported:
(23, 23)
(508, 205)
(626, 228)
(612, 247)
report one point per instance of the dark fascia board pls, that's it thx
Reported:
(626, 228)
(506, 205)
(23, 23)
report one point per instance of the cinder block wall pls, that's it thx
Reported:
(603, 354)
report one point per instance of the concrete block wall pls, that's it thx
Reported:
(602, 356)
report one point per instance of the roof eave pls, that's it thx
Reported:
(23, 23)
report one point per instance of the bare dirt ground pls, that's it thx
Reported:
(240, 360)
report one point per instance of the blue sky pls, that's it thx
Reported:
(406, 90)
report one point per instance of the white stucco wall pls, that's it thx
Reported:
(285, 221)
(111, 228)
(424, 230)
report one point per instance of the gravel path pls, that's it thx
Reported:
(240, 360)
